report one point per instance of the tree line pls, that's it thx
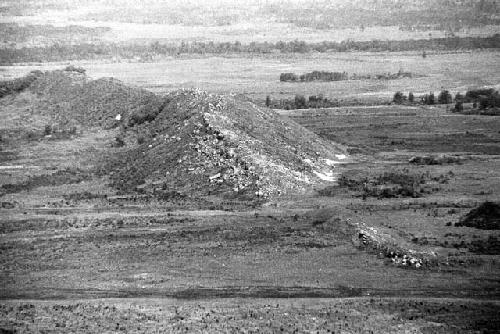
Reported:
(340, 76)
(148, 51)
(480, 98)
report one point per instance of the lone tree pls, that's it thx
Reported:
(444, 97)
(268, 101)
(300, 102)
(432, 99)
(459, 106)
(411, 98)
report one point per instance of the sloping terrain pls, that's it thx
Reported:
(205, 143)
(71, 97)
(188, 142)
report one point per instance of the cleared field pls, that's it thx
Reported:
(257, 77)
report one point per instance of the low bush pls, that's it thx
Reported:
(19, 84)
(435, 160)
(72, 68)
(392, 184)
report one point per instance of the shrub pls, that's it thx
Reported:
(399, 98)
(428, 99)
(391, 184)
(72, 68)
(411, 97)
(141, 140)
(300, 102)
(288, 77)
(444, 97)
(459, 106)
(119, 142)
(47, 130)
(475, 94)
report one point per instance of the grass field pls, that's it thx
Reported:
(257, 77)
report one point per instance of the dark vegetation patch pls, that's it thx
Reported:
(61, 177)
(340, 76)
(435, 160)
(484, 217)
(490, 246)
(84, 196)
(72, 99)
(19, 84)
(147, 52)
(390, 184)
(73, 68)
(300, 102)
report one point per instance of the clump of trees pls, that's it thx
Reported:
(484, 98)
(445, 97)
(340, 76)
(399, 98)
(314, 76)
(429, 99)
(301, 102)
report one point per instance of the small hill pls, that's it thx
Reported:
(206, 143)
(189, 142)
(71, 97)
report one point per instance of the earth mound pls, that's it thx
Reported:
(188, 142)
(72, 98)
(201, 143)
(484, 217)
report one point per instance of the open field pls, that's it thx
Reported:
(256, 77)
(261, 21)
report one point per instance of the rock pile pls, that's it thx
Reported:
(376, 241)
(211, 144)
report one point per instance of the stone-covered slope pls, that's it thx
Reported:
(205, 143)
